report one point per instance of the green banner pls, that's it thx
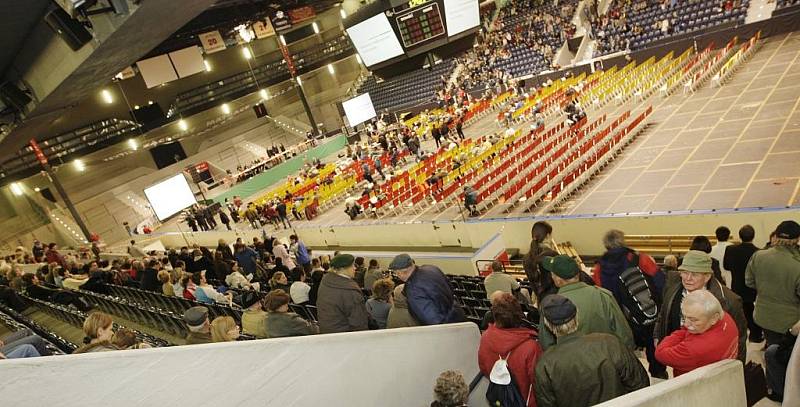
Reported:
(268, 178)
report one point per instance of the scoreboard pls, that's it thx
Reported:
(420, 24)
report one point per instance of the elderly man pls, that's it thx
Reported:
(775, 275)
(696, 274)
(582, 369)
(430, 299)
(597, 309)
(340, 302)
(499, 280)
(196, 319)
(708, 335)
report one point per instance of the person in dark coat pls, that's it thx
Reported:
(150, 276)
(247, 258)
(225, 250)
(430, 298)
(281, 209)
(582, 369)
(223, 217)
(735, 260)
(437, 136)
(316, 278)
(340, 302)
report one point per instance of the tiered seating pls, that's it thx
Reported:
(728, 67)
(404, 90)
(662, 245)
(712, 64)
(16, 321)
(780, 4)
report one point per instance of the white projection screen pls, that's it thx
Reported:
(170, 196)
(359, 109)
(375, 40)
(461, 15)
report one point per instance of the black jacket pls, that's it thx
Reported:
(150, 280)
(736, 258)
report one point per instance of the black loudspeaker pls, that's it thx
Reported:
(150, 116)
(71, 30)
(13, 96)
(261, 110)
(167, 154)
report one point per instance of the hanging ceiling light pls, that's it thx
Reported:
(330, 69)
(183, 125)
(79, 165)
(264, 94)
(207, 65)
(225, 108)
(16, 188)
(246, 53)
(315, 26)
(107, 96)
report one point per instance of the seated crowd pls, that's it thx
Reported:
(566, 334)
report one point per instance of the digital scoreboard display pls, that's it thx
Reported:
(420, 24)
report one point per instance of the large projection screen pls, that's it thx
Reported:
(461, 15)
(170, 196)
(359, 109)
(375, 40)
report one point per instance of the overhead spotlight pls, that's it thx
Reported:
(299, 82)
(283, 39)
(264, 94)
(207, 65)
(358, 58)
(16, 188)
(342, 13)
(132, 144)
(246, 53)
(330, 69)
(36, 189)
(183, 125)
(107, 96)
(135, 107)
(315, 26)
(149, 102)
(245, 33)
(225, 108)
(79, 165)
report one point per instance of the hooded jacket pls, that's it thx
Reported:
(685, 351)
(519, 347)
(340, 305)
(430, 298)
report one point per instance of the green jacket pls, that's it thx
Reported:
(775, 275)
(584, 370)
(730, 301)
(283, 324)
(598, 311)
(196, 338)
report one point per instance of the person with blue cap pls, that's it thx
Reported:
(430, 298)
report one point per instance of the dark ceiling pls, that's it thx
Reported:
(17, 19)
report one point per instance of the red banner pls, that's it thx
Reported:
(38, 152)
(301, 14)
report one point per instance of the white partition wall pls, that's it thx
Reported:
(395, 367)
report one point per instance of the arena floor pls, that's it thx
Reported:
(737, 146)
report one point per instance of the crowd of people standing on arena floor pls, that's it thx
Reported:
(709, 303)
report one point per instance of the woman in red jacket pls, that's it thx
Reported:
(507, 338)
(707, 336)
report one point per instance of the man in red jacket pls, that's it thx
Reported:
(708, 335)
(506, 338)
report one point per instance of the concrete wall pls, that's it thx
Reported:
(387, 368)
(720, 384)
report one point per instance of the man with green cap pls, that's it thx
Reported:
(598, 311)
(696, 274)
(340, 302)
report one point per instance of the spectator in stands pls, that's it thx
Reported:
(303, 259)
(598, 312)
(125, 338)
(670, 265)
(75, 279)
(361, 272)
(53, 256)
(430, 298)
(471, 201)
(25, 338)
(281, 209)
(135, 251)
(299, 290)
(205, 293)
(614, 261)
(777, 359)
(736, 259)
(499, 280)
(281, 323)
(340, 303)
(247, 258)
(196, 319)
(316, 278)
(696, 274)
(167, 287)
(451, 390)
(98, 328)
(279, 281)
(149, 276)
(38, 251)
(254, 318)
(718, 252)
(200, 262)
(372, 274)
(540, 247)
(399, 316)
(380, 303)
(33, 288)
(225, 250)
(708, 335)
(279, 251)
(702, 244)
(224, 329)
(238, 280)
(582, 370)
(507, 338)
(775, 275)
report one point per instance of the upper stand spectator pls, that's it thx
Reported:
(340, 302)
(430, 298)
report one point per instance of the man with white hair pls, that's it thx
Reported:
(708, 335)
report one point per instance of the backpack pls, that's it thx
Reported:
(502, 392)
(637, 302)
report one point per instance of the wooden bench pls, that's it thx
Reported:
(662, 245)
